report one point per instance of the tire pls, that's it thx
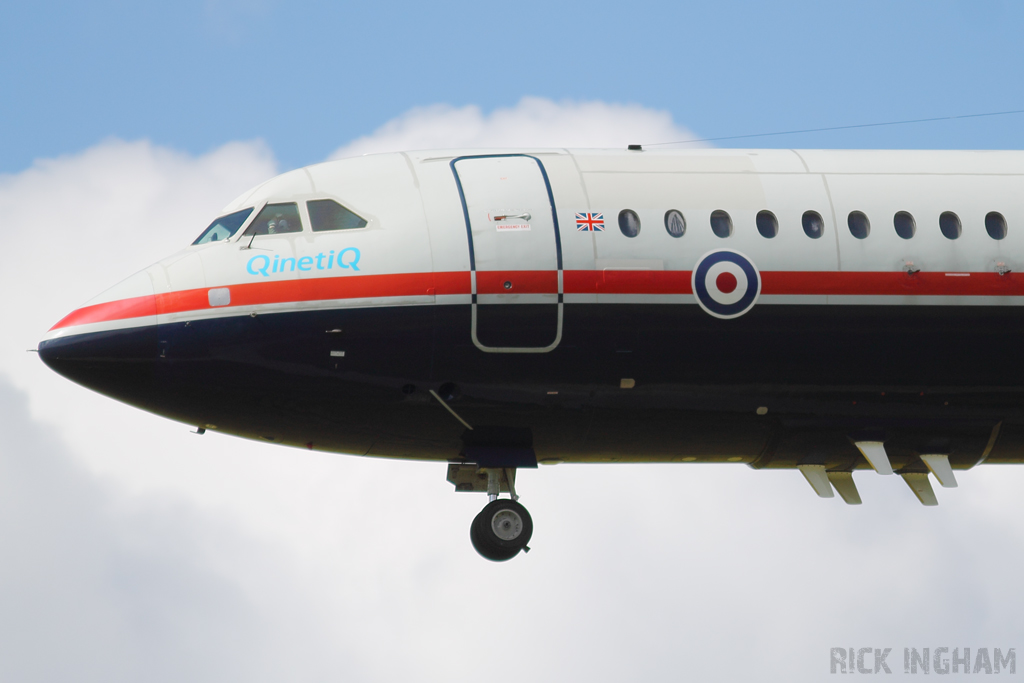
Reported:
(486, 550)
(501, 530)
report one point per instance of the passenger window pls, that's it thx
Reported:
(327, 214)
(813, 225)
(675, 224)
(995, 225)
(860, 226)
(904, 224)
(224, 227)
(949, 224)
(276, 219)
(721, 223)
(629, 223)
(767, 224)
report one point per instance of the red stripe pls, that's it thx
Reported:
(804, 283)
(136, 307)
(520, 282)
(288, 291)
(799, 283)
(627, 282)
(452, 283)
(918, 284)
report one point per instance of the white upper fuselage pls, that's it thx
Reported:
(413, 249)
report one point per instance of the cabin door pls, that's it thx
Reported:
(515, 252)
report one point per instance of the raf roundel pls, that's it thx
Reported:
(726, 283)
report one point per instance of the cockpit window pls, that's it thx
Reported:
(224, 227)
(327, 214)
(276, 219)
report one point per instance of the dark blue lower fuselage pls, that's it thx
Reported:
(923, 378)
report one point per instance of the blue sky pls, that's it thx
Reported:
(308, 76)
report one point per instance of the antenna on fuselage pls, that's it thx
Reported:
(833, 128)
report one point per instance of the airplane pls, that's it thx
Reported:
(824, 311)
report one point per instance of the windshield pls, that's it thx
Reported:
(224, 227)
(327, 214)
(276, 219)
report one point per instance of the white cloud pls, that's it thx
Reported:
(100, 587)
(151, 543)
(89, 220)
(533, 122)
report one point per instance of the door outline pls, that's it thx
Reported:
(472, 256)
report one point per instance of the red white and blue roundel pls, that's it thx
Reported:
(726, 283)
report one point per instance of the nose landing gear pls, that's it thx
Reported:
(504, 526)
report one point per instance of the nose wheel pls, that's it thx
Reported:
(501, 530)
(503, 527)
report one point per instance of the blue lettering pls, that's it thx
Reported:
(261, 263)
(261, 270)
(354, 263)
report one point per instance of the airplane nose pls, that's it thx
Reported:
(110, 344)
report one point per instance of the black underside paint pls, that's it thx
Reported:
(926, 379)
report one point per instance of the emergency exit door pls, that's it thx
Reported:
(515, 253)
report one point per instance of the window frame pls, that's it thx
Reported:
(309, 218)
(811, 214)
(1003, 223)
(867, 224)
(913, 224)
(230, 238)
(300, 209)
(682, 216)
(774, 220)
(728, 217)
(639, 224)
(959, 225)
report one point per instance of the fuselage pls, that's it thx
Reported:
(769, 307)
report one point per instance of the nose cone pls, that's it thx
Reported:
(110, 344)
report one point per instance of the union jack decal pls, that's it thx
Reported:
(590, 222)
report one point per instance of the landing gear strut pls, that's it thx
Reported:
(504, 526)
